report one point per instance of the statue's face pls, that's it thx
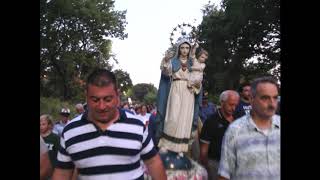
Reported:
(203, 58)
(184, 49)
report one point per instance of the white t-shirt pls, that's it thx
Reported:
(145, 118)
(43, 146)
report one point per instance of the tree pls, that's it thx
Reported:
(213, 35)
(151, 97)
(124, 80)
(234, 35)
(144, 92)
(257, 33)
(73, 40)
(124, 83)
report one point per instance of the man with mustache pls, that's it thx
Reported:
(251, 145)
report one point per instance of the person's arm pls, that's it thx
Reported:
(169, 55)
(199, 68)
(203, 66)
(227, 164)
(151, 158)
(193, 51)
(222, 178)
(156, 168)
(45, 166)
(62, 174)
(64, 165)
(205, 138)
(75, 174)
(195, 68)
(197, 84)
(165, 66)
(204, 148)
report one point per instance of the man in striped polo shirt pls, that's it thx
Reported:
(251, 145)
(106, 143)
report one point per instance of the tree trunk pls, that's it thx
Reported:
(234, 72)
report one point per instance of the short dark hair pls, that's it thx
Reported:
(243, 85)
(265, 79)
(101, 77)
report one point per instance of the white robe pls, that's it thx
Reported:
(179, 113)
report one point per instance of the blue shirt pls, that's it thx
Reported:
(242, 109)
(205, 112)
(58, 128)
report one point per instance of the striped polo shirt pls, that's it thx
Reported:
(112, 154)
(248, 153)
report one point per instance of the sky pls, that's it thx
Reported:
(150, 23)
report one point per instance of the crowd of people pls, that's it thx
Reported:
(104, 141)
(237, 138)
(238, 135)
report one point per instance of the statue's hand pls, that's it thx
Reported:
(168, 56)
(197, 85)
(166, 59)
(196, 44)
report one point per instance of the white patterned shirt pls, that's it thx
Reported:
(249, 154)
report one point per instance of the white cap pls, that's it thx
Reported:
(65, 111)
